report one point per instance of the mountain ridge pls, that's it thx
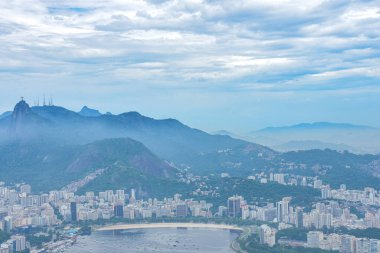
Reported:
(357, 138)
(64, 141)
(169, 139)
(315, 125)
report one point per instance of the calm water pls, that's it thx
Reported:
(156, 240)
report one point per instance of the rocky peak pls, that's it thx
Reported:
(20, 111)
(88, 112)
(23, 118)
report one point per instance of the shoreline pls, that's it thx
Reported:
(169, 225)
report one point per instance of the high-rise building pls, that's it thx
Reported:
(334, 242)
(267, 235)
(119, 210)
(19, 243)
(362, 245)
(8, 223)
(279, 178)
(374, 246)
(73, 210)
(120, 195)
(244, 212)
(304, 182)
(317, 183)
(324, 220)
(348, 244)
(234, 206)
(222, 211)
(109, 195)
(181, 210)
(314, 238)
(133, 193)
(25, 188)
(299, 218)
(282, 210)
(132, 199)
(325, 192)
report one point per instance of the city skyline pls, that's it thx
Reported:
(212, 65)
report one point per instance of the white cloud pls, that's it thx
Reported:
(193, 43)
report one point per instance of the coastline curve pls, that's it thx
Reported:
(168, 225)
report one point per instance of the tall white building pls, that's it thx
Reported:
(374, 246)
(317, 184)
(19, 242)
(348, 244)
(362, 245)
(267, 235)
(25, 188)
(282, 210)
(325, 192)
(314, 238)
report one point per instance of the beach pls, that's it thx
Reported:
(168, 225)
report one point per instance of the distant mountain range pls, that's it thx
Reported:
(315, 126)
(319, 135)
(51, 146)
(309, 145)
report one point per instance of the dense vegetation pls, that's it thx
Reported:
(37, 241)
(346, 168)
(122, 177)
(3, 236)
(297, 234)
(39, 163)
(372, 233)
(255, 192)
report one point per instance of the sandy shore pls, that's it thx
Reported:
(168, 225)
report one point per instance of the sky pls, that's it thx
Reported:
(235, 65)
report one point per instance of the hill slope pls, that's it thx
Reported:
(48, 166)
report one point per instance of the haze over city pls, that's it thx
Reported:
(231, 126)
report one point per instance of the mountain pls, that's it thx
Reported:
(88, 112)
(314, 126)
(309, 144)
(5, 114)
(228, 133)
(23, 117)
(335, 168)
(132, 148)
(357, 138)
(223, 132)
(169, 139)
(21, 123)
(48, 166)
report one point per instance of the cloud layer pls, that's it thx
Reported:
(245, 51)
